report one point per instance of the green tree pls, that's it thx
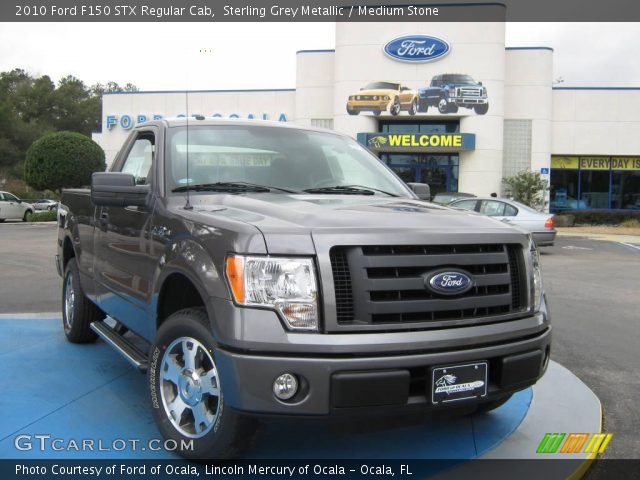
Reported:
(62, 160)
(526, 187)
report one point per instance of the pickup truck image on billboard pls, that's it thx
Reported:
(379, 97)
(449, 91)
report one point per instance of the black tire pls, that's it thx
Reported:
(481, 109)
(224, 435)
(26, 214)
(396, 106)
(2, 220)
(486, 407)
(443, 105)
(413, 108)
(423, 107)
(352, 112)
(78, 315)
(377, 113)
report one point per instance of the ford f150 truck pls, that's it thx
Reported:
(256, 269)
(449, 91)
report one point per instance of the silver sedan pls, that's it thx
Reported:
(540, 224)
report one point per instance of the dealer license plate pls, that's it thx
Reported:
(459, 382)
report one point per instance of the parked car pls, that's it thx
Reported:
(449, 91)
(12, 208)
(45, 204)
(287, 273)
(540, 224)
(378, 97)
(443, 198)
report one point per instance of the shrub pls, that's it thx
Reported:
(46, 216)
(595, 217)
(564, 220)
(631, 223)
(526, 187)
(63, 159)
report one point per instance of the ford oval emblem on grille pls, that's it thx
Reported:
(448, 283)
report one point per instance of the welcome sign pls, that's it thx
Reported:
(407, 142)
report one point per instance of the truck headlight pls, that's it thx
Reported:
(536, 277)
(287, 285)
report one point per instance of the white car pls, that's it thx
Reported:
(11, 207)
(45, 204)
(540, 224)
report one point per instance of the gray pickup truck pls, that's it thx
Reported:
(256, 269)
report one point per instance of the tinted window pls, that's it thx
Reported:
(1, 197)
(510, 210)
(492, 208)
(10, 198)
(381, 85)
(465, 204)
(139, 159)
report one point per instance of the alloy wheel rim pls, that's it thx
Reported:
(69, 301)
(190, 387)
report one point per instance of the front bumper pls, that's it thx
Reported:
(247, 378)
(367, 105)
(468, 101)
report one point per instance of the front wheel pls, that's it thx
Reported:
(186, 391)
(413, 108)
(395, 107)
(26, 215)
(78, 312)
(481, 109)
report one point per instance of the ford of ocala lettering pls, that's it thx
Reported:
(448, 92)
(379, 97)
(262, 269)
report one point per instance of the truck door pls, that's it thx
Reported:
(124, 266)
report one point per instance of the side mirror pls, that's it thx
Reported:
(422, 190)
(116, 189)
(19, 201)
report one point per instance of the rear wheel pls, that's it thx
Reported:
(186, 391)
(78, 312)
(413, 108)
(395, 107)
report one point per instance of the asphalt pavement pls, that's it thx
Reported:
(591, 286)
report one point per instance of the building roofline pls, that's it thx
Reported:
(529, 48)
(596, 88)
(329, 50)
(204, 91)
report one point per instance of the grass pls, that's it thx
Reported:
(45, 216)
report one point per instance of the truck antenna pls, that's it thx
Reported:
(188, 205)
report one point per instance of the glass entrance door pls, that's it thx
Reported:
(440, 172)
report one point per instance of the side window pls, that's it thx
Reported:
(466, 204)
(10, 198)
(140, 158)
(492, 208)
(510, 210)
(1, 197)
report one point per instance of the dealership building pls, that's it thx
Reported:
(441, 103)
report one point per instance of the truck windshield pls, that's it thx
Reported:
(459, 79)
(282, 158)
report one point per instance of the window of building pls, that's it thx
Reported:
(595, 183)
(516, 147)
(442, 126)
(322, 123)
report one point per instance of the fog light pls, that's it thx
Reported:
(285, 386)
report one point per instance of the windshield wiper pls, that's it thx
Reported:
(374, 189)
(229, 187)
(348, 190)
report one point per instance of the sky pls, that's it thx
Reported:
(176, 56)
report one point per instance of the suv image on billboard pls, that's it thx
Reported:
(379, 97)
(450, 91)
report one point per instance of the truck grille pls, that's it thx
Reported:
(469, 91)
(384, 285)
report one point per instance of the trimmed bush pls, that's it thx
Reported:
(564, 220)
(594, 217)
(62, 160)
(46, 216)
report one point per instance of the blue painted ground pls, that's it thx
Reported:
(81, 392)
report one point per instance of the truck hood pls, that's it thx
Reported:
(282, 217)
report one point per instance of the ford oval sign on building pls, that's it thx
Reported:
(416, 48)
